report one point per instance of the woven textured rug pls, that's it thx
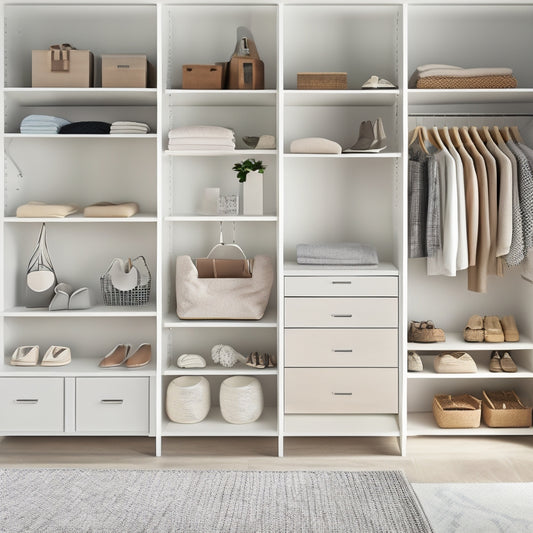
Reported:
(477, 507)
(160, 501)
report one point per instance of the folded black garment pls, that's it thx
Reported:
(86, 128)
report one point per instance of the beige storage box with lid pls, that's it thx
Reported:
(62, 66)
(126, 71)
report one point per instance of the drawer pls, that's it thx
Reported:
(341, 286)
(341, 312)
(341, 347)
(31, 405)
(112, 404)
(341, 391)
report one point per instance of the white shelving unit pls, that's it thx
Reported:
(308, 198)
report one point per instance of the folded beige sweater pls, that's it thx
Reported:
(43, 210)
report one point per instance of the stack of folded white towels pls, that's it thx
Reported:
(129, 128)
(42, 124)
(342, 253)
(201, 138)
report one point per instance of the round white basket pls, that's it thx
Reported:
(188, 399)
(241, 399)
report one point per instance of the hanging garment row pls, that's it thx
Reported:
(471, 201)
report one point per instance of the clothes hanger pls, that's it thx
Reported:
(417, 134)
(445, 136)
(515, 132)
(455, 137)
(465, 136)
(474, 134)
(484, 133)
(437, 141)
(496, 135)
(222, 250)
(506, 134)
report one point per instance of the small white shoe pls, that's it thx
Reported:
(56, 356)
(414, 362)
(374, 82)
(25, 356)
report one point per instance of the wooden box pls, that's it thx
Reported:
(503, 409)
(204, 76)
(122, 70)
(306, 81)
(460, 411)
(77, 68)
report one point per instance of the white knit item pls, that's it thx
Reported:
(226, 355)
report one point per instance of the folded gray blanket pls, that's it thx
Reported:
(343, 253)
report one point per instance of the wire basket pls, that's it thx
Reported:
(138, 295)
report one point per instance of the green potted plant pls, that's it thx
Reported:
(250, 174)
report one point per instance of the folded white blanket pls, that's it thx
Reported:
(201, 131)
(186, 147)
(126, 123)
(181, 141)
(130, 128)
(341, 253)
(44, 119)
(466, 72)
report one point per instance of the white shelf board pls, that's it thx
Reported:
(291, 268)
(454, 341)
(269, 320)
(79, 366)
(360, 425)
(216, 153)
(79, 218)
(469, 96)
(371, 155)
(424, 424)
(218, 370)
(482, 373)
(224, 97)
(61, 136)
(75, 96)
(215, 426)
(222, 218)
(362, 97)
(107, 311)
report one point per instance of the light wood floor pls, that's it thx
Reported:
(429, 459)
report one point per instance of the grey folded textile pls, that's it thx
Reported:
(342, 253)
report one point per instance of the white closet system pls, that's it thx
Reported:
(308, 198)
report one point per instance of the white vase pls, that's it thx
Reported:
(241, 399)
(188, 399)
(252, 192)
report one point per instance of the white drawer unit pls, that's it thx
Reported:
(341, 312)
(31, 405)
(341, 347)
(112, 405)
(341, 286)
(341, 391)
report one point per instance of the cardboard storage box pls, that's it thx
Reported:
(321, 81)
(204, 76)
(503, 409)
(122, 70)
(62, 68)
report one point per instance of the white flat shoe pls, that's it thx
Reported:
(25, 356)
(374, 82)
(56, 356)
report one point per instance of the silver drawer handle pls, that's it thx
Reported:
(112, 401)
(341, 316)
(341, 282)
(342, 393)
(343, 351)
(27, 400)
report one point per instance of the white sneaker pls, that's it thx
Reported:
(374, 82)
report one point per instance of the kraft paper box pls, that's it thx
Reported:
(121, 70)
(77, 69)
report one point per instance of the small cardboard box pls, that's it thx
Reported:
(204, 76)
(62, 68)
(127, 71)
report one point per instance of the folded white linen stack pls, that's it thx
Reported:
(214, 138)
(42, 124)
(342, 253)
(129, 128)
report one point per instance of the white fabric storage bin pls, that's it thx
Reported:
(188, 399)
(223, 298)
(241, 399)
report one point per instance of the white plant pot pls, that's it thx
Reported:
(252, 192)
(188, 399)
(241, 399)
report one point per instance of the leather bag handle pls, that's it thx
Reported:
(60, 57)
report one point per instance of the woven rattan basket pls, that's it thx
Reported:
(503, 409)
(461, 411)
(306, 81)
(474, 82)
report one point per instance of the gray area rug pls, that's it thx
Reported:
(160, 501)
(477, 507)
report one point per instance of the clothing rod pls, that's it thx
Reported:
(471, 114)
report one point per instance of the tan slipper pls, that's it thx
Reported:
(473, 331)
(495, 362)
(140, 357)
(493, 329)
(507, 363)
(510, 330)
(116, 356)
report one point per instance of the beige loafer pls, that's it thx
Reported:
(140, 357)
(508, 365)
(116, 356)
